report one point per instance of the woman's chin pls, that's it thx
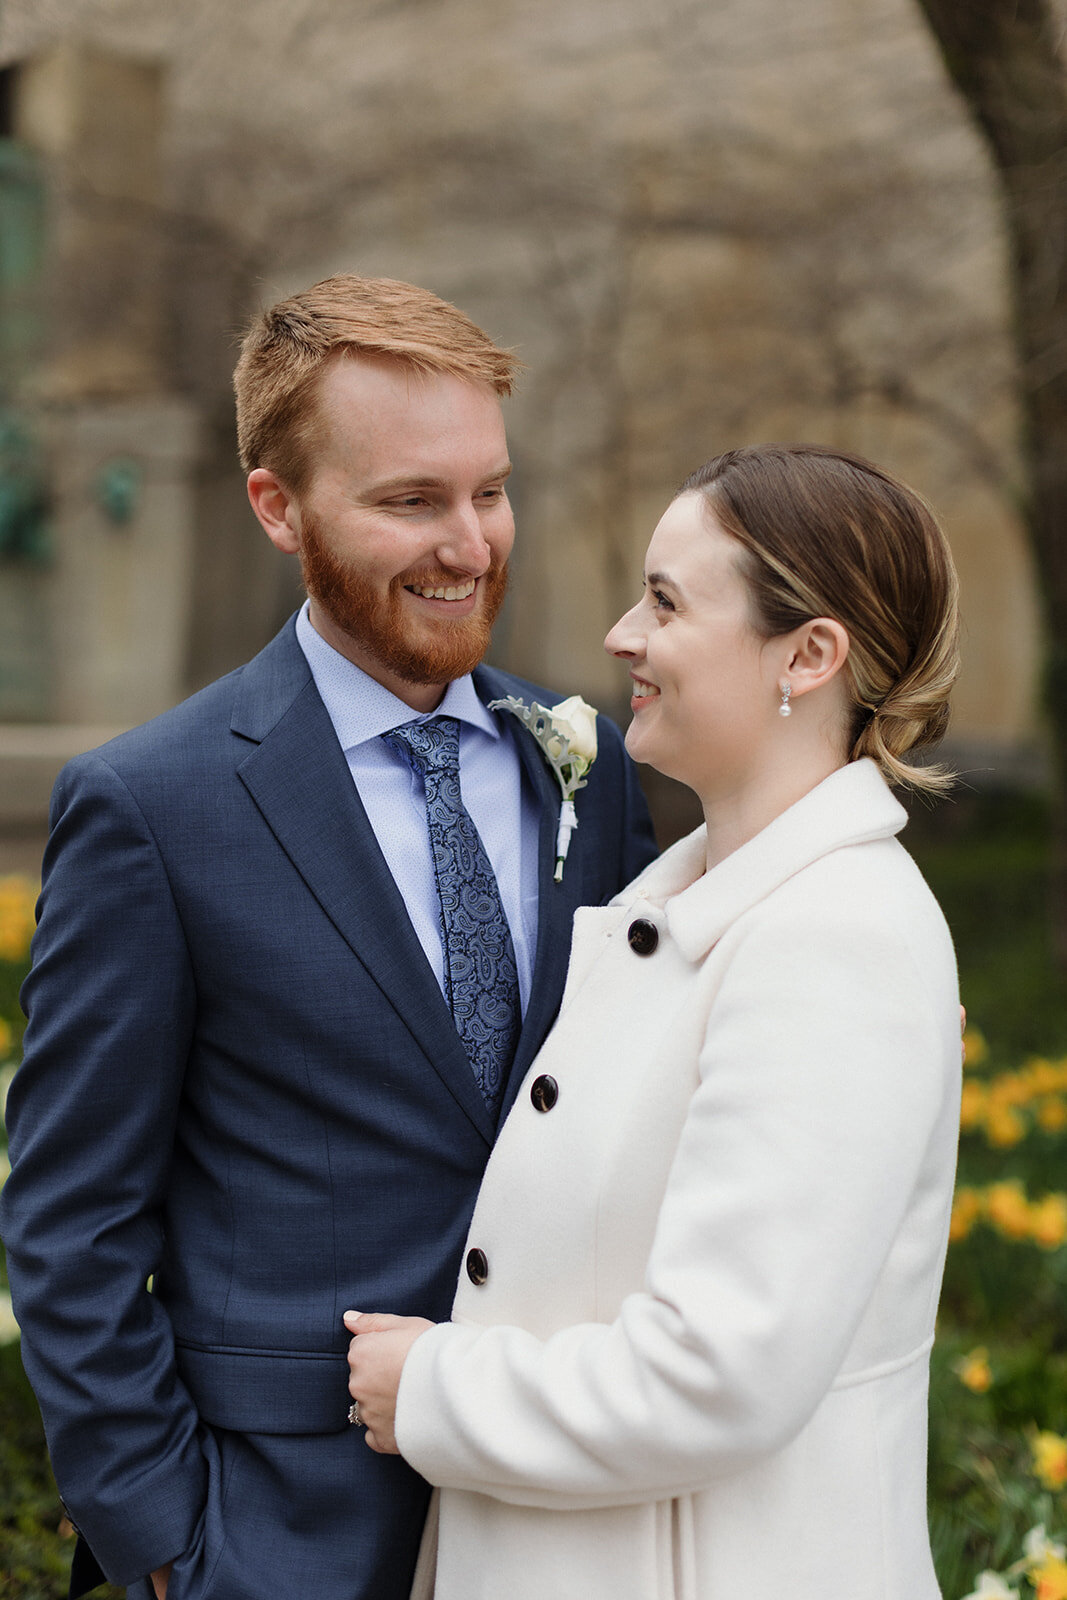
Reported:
(645, 749)
(634, 740)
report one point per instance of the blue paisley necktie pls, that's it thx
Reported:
(481, 978)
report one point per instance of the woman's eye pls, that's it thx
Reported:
(662, 603)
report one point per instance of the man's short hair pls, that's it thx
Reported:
(288, 346)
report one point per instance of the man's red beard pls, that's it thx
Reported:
(379, 626)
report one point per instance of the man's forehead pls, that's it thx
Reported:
(386, 421)
(355, 375)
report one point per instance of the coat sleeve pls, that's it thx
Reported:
(91, 1116)
(821, 1080)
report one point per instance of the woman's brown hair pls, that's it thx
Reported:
(828, 534)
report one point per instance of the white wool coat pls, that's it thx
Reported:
(697, 1367)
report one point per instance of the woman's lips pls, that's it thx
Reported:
(641, 692)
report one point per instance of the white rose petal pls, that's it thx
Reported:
(575, 718)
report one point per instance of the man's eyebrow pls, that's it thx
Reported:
(416, 480)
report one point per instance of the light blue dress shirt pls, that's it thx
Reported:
(504, 812)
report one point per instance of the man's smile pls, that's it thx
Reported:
(443, 592)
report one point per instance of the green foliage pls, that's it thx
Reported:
(36, 1558)
(986, 858)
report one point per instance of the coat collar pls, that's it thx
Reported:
(853, 805)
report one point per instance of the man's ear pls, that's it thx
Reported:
(276, 509)
(818, 651)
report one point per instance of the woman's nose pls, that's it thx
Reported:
(626, 637)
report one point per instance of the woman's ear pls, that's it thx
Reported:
(818, 651)
(277, 510)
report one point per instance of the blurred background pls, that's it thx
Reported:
(701, 223)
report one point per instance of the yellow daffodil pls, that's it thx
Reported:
(1050, 1579)
(1004, 1126)
(1010, 1089)
(1049, 1452)
(974, 1370)
(1044, 1077)
(18, 897)
(1008, 1209)
(1052, 1114)
(966, 1211)
(975, 1049)
(972, 1104)
(1048, 1221)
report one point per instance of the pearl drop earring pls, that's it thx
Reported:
(785, 709)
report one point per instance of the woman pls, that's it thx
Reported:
(689, 1354)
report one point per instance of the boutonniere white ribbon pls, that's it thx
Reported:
(566, 735)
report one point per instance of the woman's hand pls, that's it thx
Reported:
(376, 1359)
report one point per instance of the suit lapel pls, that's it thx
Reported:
(556, 901)
(298, 777)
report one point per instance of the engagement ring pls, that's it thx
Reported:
(354, 1416)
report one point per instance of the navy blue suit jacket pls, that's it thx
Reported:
(241, 1078)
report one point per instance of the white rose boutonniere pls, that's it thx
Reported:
(566, 734)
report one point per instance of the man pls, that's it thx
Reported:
(265, 1062)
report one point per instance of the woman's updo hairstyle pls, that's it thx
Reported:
(828, 534)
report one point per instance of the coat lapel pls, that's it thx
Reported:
(556, 901)
(298, 777)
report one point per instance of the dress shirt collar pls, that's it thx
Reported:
(360, 708)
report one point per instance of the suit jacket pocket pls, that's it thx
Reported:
(266, 1391)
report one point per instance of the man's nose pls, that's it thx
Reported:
(463, 544)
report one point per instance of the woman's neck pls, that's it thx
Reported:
(736, 812)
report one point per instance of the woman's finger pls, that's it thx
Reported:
(372, 1321)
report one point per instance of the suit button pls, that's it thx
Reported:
(544, 1092)
(643, 937)
(477, 1266)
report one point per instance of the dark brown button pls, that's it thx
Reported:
(544, 1092)
(643, 937)
(477, 1266)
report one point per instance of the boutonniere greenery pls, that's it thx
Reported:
(566, 736)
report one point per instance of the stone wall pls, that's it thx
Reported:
(725, 222)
